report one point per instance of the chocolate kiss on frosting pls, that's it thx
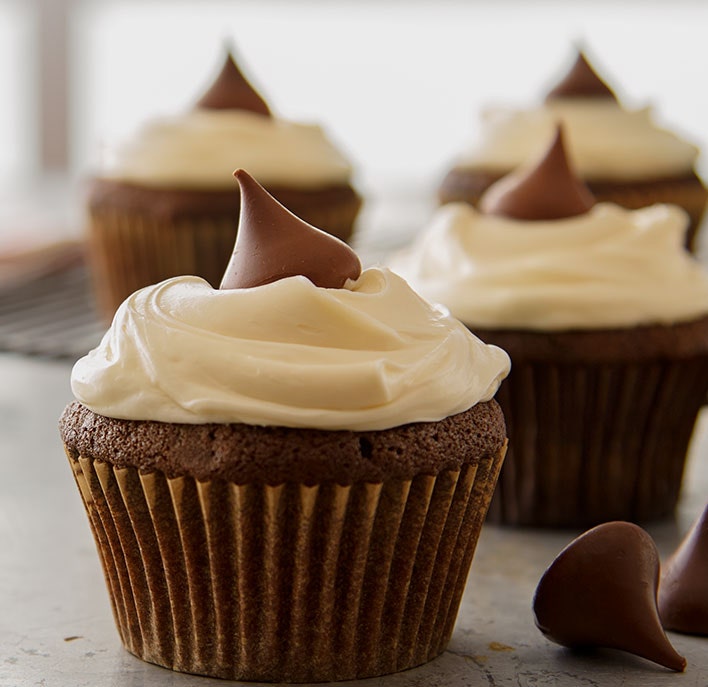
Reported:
(601, 592)
(581, 82)
(273, 244)
(550, 189)
(231, 91)
(683, 591)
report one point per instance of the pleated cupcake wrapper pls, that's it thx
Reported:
(592, 443)
(285, 583)
(130, 250)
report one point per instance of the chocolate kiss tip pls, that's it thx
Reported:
(683, 591)
(601, 591)
(232, 91)
(547, 190)
(581, 81)
(272, 244)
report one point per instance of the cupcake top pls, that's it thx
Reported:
(230, 122)
(297, 336)
(606, 141)
(541, 255)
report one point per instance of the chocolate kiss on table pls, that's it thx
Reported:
(273, 244)
(547, 190)
(683, 591)
(231, 91)
(601, 592)
(581, 82)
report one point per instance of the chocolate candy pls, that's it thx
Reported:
(600, 591)
(231, 91)
(273, 244)
(683, 591)
(581, 81)
(548, 190)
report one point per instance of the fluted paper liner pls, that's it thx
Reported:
(291, 582)
(592, 443)
(129, 250)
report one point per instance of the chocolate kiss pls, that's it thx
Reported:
(550, 189)
(601, 591)
(273, 244)
(231, 91)
(683, 592)
(581, 82)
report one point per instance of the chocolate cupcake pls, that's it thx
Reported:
(286, 477)
(162, 205)
(605, 316)
(621, 154)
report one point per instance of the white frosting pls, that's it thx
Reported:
(604, 140)
(202, 148)
(370, 356)
(608, 268)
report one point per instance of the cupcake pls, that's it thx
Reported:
(286, 476)
(161, 204)
(605, 316)
(621, 154)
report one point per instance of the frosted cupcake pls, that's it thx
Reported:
(604, 314)
(161, 205)
(286, 477)
(621, 154)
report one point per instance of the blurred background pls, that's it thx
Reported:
(397, 84)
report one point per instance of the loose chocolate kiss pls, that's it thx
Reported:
(231, 91)
(683, 591)
(601, 592)
(581, 82)
(273, 244)
(547, 190)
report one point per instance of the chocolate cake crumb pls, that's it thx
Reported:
(242, 453)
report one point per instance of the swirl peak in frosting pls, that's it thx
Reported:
(272, 244)
(547, 190)
(581, 81)
(232, 91)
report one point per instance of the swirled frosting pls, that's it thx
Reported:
(372, 355)
(605, 140)
(201, 149)
(607, 268)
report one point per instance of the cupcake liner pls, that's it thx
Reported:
(289, 582)
(596, 442)
(468, 185)
(130, 250)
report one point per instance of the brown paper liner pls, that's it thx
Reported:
(467, 185)
(129, 250)
(590, 443)
(291, 582)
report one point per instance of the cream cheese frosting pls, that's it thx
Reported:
(608, 268)
(201, 148)
(605, 140)
(369, 356)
